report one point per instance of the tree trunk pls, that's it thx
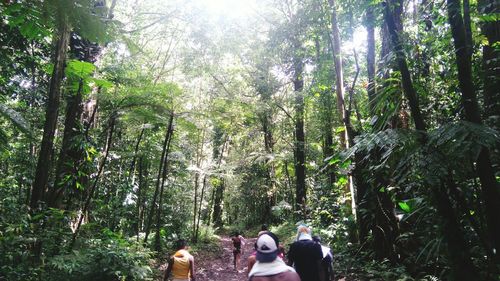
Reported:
(370, 57)
(139, 196)
(300, 153)
(197, 231)
(71, 155)
(199, 157)
(158, 181)
(347, 137)
(462, 266)
(218, 199)
(195, 207)
(109, 143)
(491, 63)
(163, 179)
(408, 89)
(490, 189)
(346, 141)
(134, 158)
(268, 148)
(455, 238)
(51, 114)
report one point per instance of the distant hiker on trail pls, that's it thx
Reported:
(263, 229)
(269, 267)
(306, 255)
(181, 264)
(326, 272)
(238, 243)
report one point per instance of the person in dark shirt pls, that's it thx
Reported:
(306, 255)
(237, 243)
(326, 273)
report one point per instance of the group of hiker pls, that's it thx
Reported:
(306, 260)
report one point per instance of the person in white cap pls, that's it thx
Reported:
(270, 267)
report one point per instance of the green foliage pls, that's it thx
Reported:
(79, 69)
(102, 259)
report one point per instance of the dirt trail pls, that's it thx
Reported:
(218, 266)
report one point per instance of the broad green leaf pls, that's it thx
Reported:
(405, 207)
(80, 69)
(102, 83)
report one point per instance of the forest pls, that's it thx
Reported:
(128, 124)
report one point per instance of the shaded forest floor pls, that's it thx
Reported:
(218, 265)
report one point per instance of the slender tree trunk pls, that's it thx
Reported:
(491, 63)
(136, 152)
(163, 179)
(490, 188)
(158, 182)
(468, 29)
(210, 207)
(339, 75)
(159, 179)
(300, 153)
(85, 209)
(268, 147)
(51, 114)
(220, 142)
(347, 137)
(408, 89)
(197, 231)
(195, 205)
(370, 57)
(199, 157)
(139, 196)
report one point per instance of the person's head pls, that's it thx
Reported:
(316, 239)
(267, 247)
(303, 229)
(303, 232)
(180, 244)
(263, 229)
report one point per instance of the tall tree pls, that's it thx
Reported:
(52, 111)
(490, 189)
(300, 146)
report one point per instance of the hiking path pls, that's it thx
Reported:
(218, 266)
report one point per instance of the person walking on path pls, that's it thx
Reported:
(238, 243)
(326, 272)
(269, 266)
(181, 264)
(306, 255)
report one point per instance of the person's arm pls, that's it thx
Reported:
(251, 261)
(318, 255)
(331, 274)
(191, 268)
(169, 269)
(290, 255)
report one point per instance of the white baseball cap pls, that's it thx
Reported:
(267, 247)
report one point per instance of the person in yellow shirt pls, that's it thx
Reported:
(181, 264)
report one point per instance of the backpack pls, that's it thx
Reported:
(236, 242)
